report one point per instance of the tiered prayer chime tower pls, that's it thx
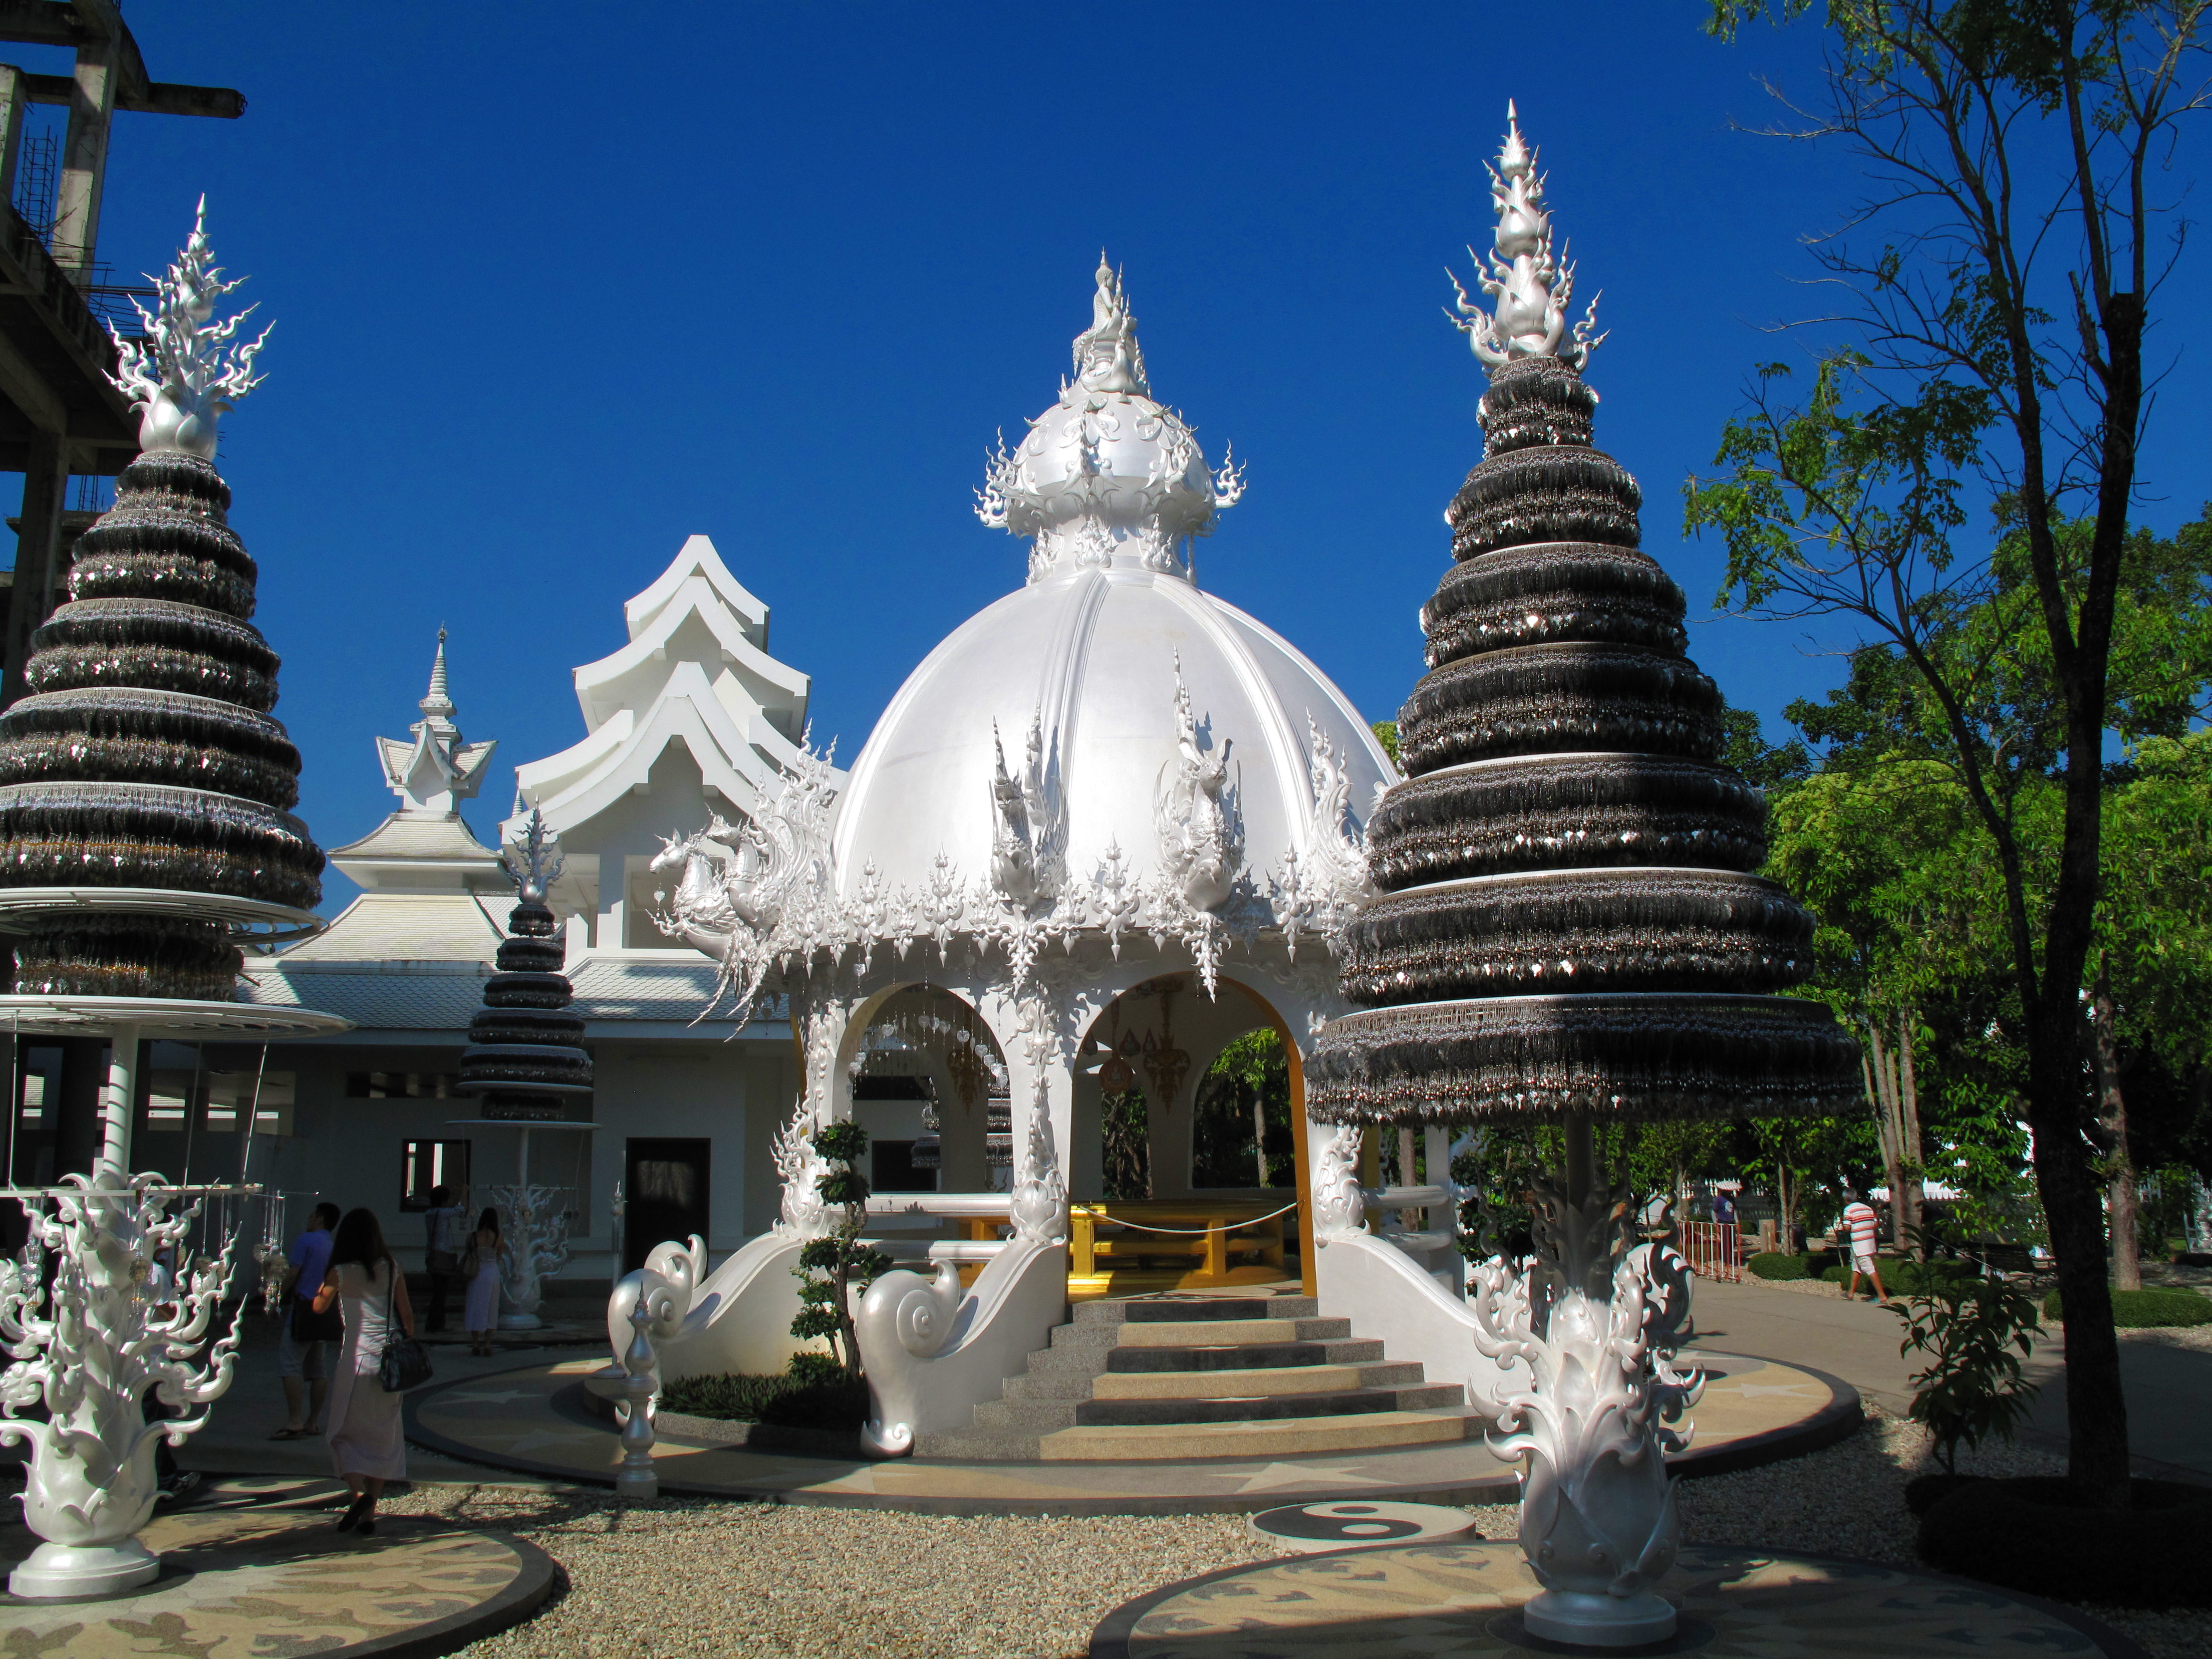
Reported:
(1569, 933)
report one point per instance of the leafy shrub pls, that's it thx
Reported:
(1902, 1276)
(2033, 1534)
(835, 1268)
(1970, 1389)
(1774, 1265)
(824, 1398)
(2142, 1311)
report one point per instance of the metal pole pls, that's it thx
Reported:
(1580, 1163)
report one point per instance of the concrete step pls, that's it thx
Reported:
(1154, 1443)
(1289, 1437)
(1190, 1310)
(1267, 1380)
(1246, 1356)
(1226, 1332)
(1040, 1416)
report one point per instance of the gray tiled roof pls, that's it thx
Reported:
(442, 996)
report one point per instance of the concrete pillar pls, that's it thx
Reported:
(1083, 1157)
(15, 102)
(38, 553)
(78, 1127)
(963, 1161)
(84, 155)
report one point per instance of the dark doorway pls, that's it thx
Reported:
(664, 1184)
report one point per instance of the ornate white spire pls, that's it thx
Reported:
(1531, 285)
(436, 705)
(1106, 475)
(190, 370)
(432, 769)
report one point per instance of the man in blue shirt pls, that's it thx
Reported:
(300, 1343)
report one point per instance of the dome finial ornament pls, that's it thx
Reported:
(1532, 285)
(1107, 476)
(1107, 355)
(190, 371)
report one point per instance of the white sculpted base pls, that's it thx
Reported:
(86, 1342)
(1594, 1415)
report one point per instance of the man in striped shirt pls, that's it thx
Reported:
(1861, 1225)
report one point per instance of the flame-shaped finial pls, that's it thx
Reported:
(188, 370)
(1531, 285)
(534, 862)
(1107, 356)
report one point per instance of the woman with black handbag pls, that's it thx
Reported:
(367, 1442)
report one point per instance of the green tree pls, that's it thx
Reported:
(1241, 1131)
(1999, 281)
(837, 1266)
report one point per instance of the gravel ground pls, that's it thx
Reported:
(786, 1579)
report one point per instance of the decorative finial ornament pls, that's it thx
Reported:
(534, 862)
(1106, 475)
(190, 370)
(437, 703)
(1531, 285)
(434, 769)
(1107, 355)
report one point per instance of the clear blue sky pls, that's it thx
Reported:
(557, 285)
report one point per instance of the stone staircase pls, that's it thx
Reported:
(1224, 1377)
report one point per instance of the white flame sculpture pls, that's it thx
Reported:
(91, 1318)
(191, 370)
(1532, 284)
(1595, 1327)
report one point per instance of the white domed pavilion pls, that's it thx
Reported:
(1109, 805)
(1110, 826)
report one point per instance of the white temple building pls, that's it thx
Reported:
(1110, 826)
(692, 716)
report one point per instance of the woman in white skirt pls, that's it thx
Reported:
(482, 1263)
(367, 1445)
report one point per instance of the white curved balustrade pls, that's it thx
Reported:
(933, 1355)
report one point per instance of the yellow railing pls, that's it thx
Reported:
(1219, 1235)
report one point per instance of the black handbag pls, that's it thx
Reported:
(404, 1363)
(308, 1326)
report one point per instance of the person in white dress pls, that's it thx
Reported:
(367, 1443)
(481, 1267)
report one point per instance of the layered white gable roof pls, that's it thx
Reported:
(696, 670)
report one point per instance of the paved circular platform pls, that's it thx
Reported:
(256, 1569)
(1311, 1529)
(537, 1419)
(1462, 1601)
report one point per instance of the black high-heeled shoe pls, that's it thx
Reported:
(355, 1512)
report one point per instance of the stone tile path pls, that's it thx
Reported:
(2166, 1388)
(1462, 1602)
(538, 1419)
(258, 1568)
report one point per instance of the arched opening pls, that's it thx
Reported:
(1186, 1154)
(929, 1085)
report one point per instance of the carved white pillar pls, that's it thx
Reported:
(1040, 1068)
